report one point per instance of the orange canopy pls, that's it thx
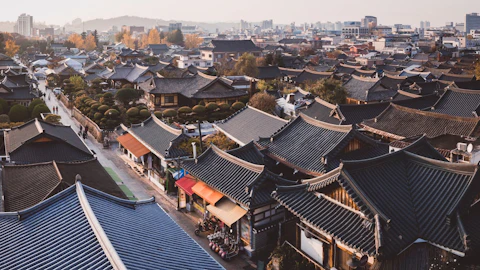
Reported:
(133, 145)
(206, 192)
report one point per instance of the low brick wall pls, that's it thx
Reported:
(65, 101)
(93, 128)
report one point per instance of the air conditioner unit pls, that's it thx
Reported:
(462, 146)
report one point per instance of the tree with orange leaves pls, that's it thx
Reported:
(192, 41)
(77, 40)
(90, 44)
(128, 40)
(153, 37)
(11, 48)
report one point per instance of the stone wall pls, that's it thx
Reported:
(93, 128)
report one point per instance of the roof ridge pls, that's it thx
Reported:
(408, 94)
(97, 229)
(253, 167)
(434, 114)
(365, 79)
(164, 126)
(318, 123)
(462, 90)
(265, 113)
(39, 126)
(322, 177)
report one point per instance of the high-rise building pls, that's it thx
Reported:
(369, 21)
(24, 25)
(174, 26)
(244, 25)
(472, 22)
(267, 24)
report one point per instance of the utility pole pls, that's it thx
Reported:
(200, 135)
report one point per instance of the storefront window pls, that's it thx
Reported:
(245, 230)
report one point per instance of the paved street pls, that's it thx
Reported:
(140, 186)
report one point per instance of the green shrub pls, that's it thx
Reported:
(238, 105)
(133, 112)
(169, 113)
(95, 106)
(4, 118)
(184, 110)
(158, 114)
(212, 106)
(199, 109)
(3, 106)
(224, 106)
(103, 108)
(98, 116)
(201, 103)
(39, 109)
(112, 113)
(34, 103)
(18, 113)
(144, 113)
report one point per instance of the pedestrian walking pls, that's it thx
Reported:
(81, 129)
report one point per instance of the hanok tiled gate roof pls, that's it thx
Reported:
(250, 124)
(459, 102)
(399, 122)
(85, 228)
(311, 146)
(401, 197)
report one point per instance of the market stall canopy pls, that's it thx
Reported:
(206, 192)
(133, 145)
(227, 211)
(186, 183)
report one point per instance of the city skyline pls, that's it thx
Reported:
(386, 14)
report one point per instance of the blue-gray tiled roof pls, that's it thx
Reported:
(66, 230)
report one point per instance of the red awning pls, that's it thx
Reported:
(186, 183)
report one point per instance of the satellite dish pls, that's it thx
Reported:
(470, 148)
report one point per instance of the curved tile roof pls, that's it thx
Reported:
(85, 228)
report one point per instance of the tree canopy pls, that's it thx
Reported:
(246, 65)
(330, 90)
(126, 95)
(192, 41)
(11, 48)
(153, 36)
(263, 101)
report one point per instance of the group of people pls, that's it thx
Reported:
(55, 109)
(83, 132)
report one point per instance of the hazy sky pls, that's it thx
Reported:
(281, 11)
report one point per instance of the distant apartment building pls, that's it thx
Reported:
(424, 24)
(267, 24)
(354, 31)
(219, 50)
(47, 32)
(472, 22)
(244, 25)
(133, 29)
(24, 25)
(369, 22)
(174, 26)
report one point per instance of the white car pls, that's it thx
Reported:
(57, 91)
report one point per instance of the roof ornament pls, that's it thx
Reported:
(78, 178)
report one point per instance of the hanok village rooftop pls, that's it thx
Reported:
(380, 173)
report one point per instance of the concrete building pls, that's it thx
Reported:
(354, 31)
(424, 24)
(24, 25)
(174, 26)
(267, 24)
(472, 22)
(369, 22)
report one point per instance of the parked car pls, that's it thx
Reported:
(57, 91)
